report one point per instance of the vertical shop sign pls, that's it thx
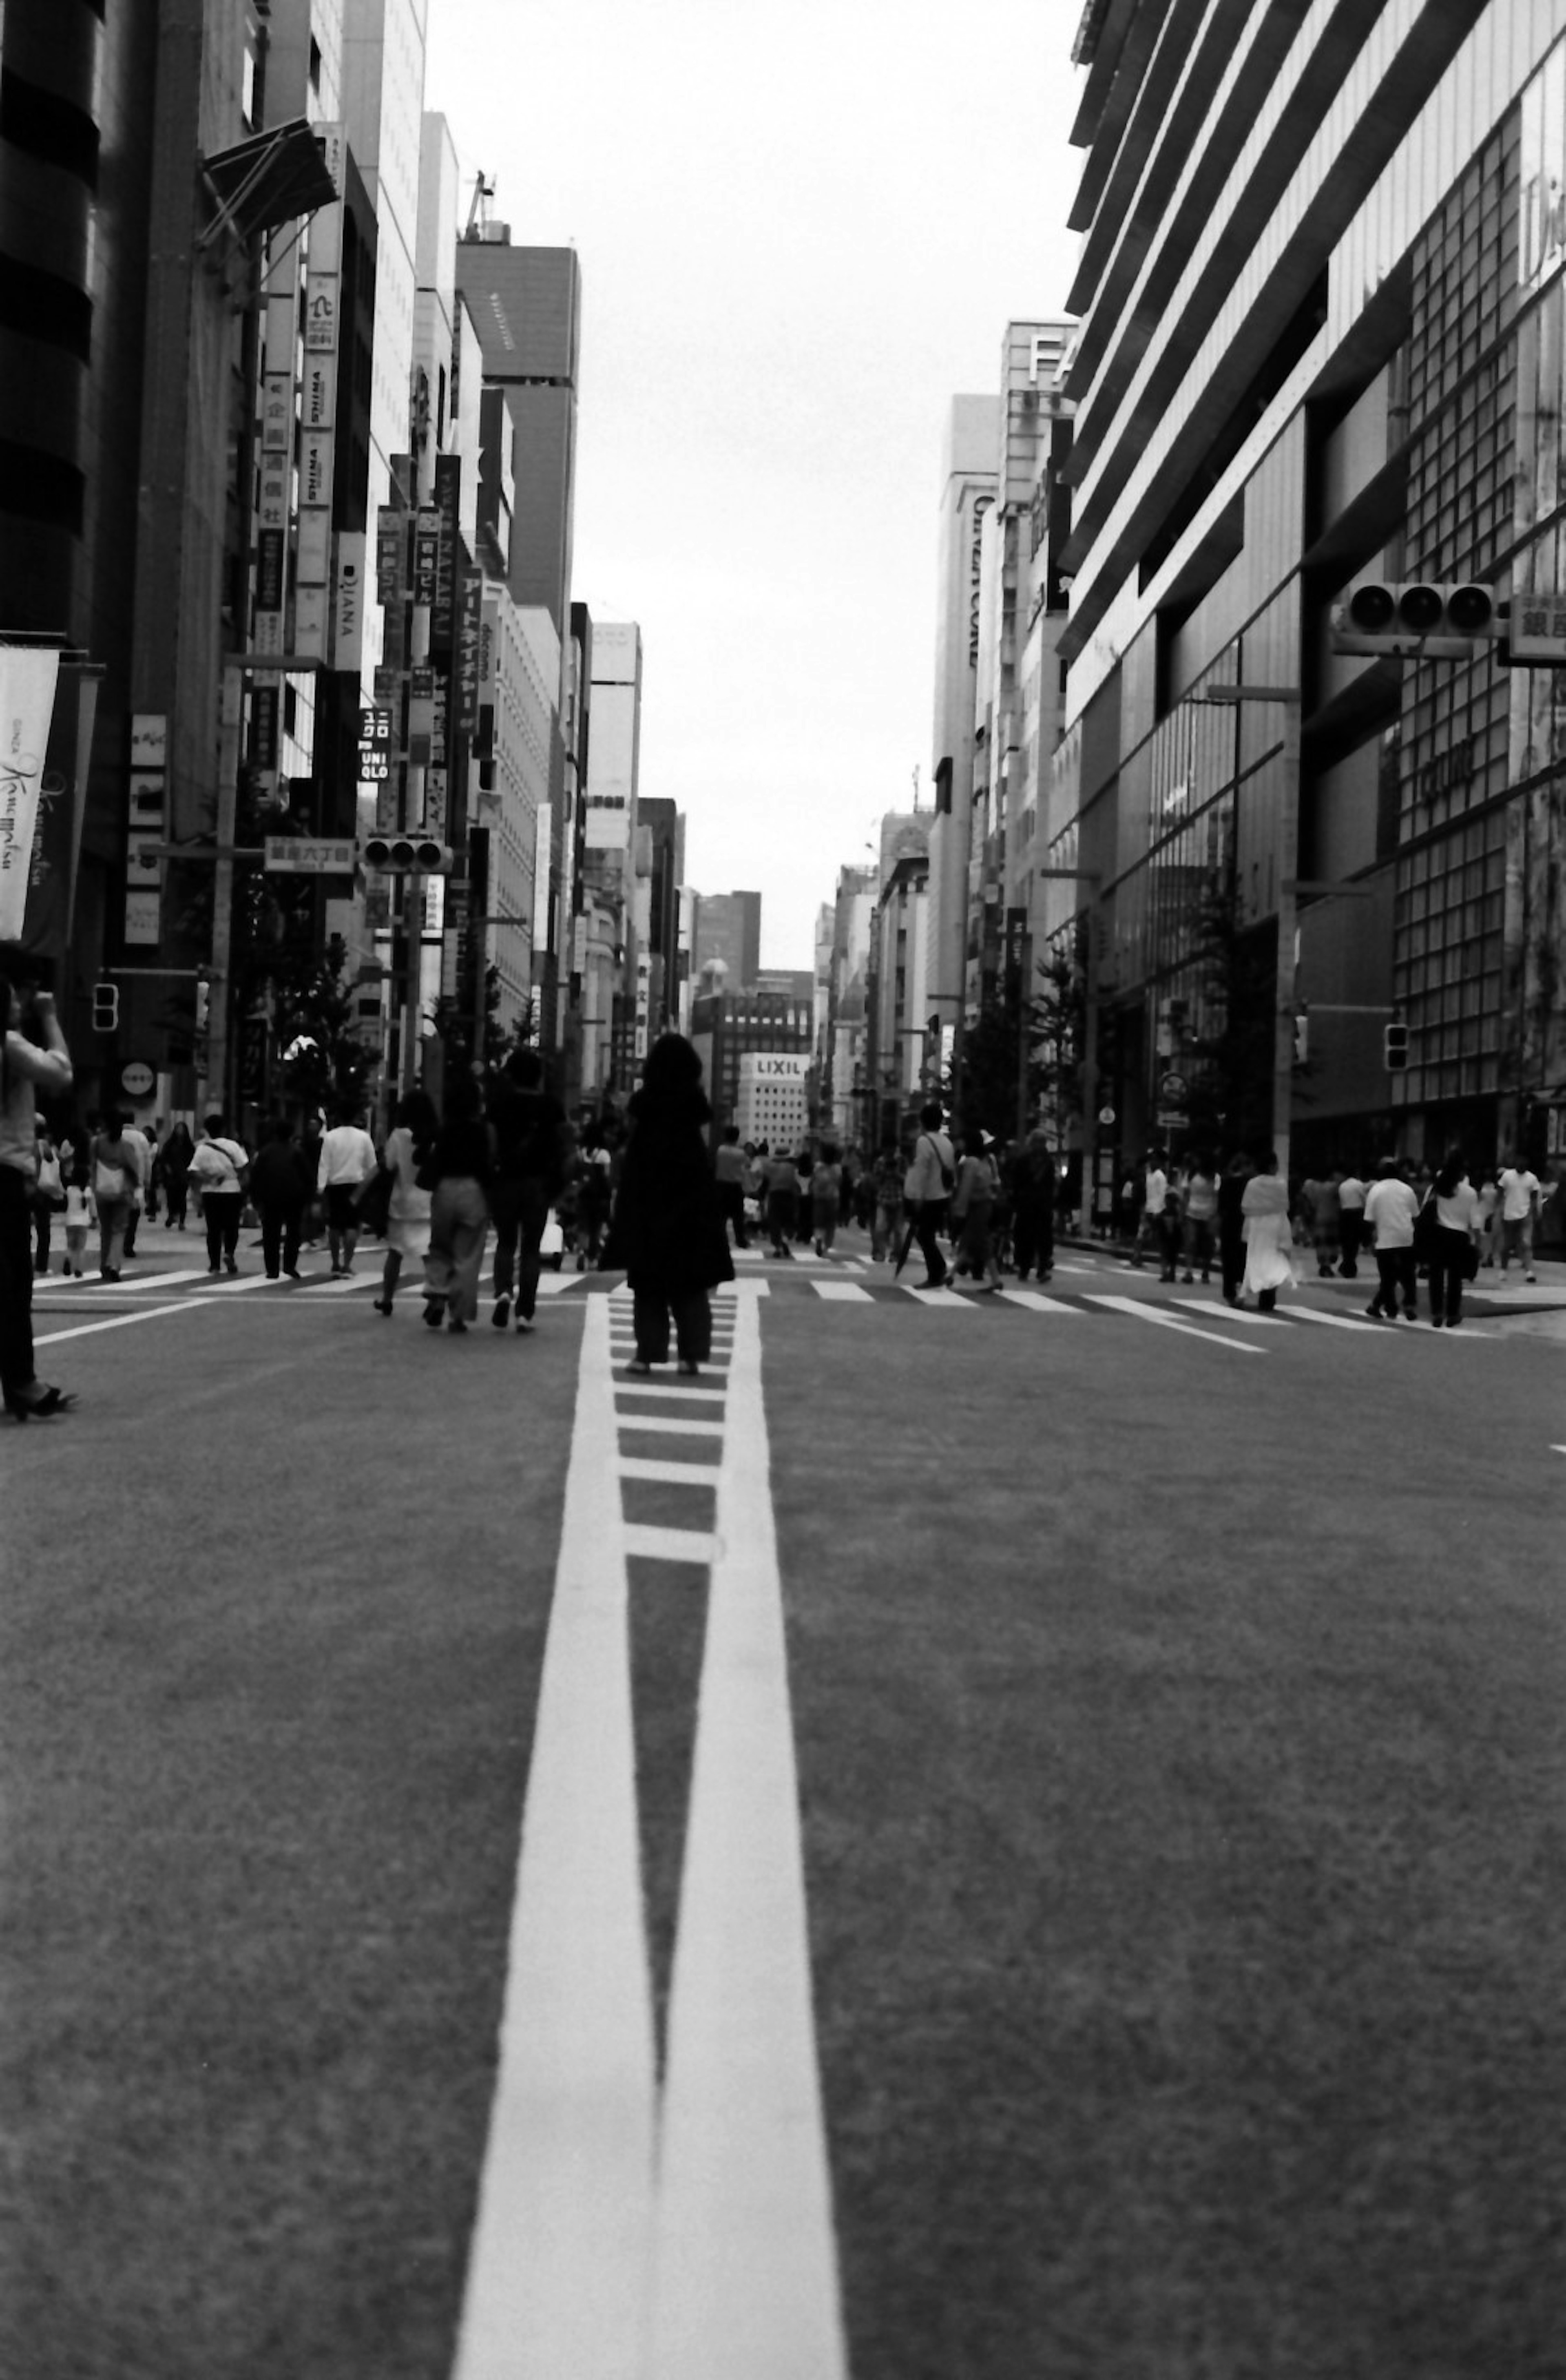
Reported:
(426, 555)
(318, 411)
(388, 554)
(448, 489)
(28, 680)
(146, 816)
(471, 613)
(347, 617)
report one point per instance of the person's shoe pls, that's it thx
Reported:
(382, 1304)
(1411, 1314)
(1435, 1321)
(106, 1275)
(502, 1314)
(456, 1323)
(229, 1265)
(639, 1366)
(691, 1371)
(273, 1276)
(1453, 1321)
(336, 1273)
(928, 1282)
(1374, 1314)
(213, 1270)
(434, 1312)
(525, 1322)
(1530, 1276)
(1188, 1276)
(293, 1273)
(1206, 1277)
(39, 1402)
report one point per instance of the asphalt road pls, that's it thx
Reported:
(1176, 1721)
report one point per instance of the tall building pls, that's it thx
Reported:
(1322, 291)
(728, 927)
(610, 993)
(968, 495)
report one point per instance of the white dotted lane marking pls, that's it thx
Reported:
(557, 2274)
(744, 2258)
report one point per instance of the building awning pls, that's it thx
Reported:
(267, 181)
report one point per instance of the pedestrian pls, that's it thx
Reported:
(460, 1173)
(804, 1167)
(886, 1189)
(533, 1152)
(1489, 1211)
(1454, 1240)
(1170, 1232)
(1198, 1215)
(1153, 1190)
(48, 1196)
(410, 1144)
(1232, 1222)
(1264, 1206)
(592, 1201)
(218, 1169)
(312, 1133)
(112, 1162)
(79, 1212)
(278, 1189)
(1352, 1194)
(1324, 1214)
(347, 1161)
(137, 1140)
(1033, 1206)
(1520, 1202)
(27, 1067)
(150, 1202)
(668, 1229)
(1391, 1210)
(926, 1188)
(728, 1169)
(826, 1193)
(174, 1174)
(782, 1202)
(973, 1205)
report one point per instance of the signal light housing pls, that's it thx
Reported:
(105, 1007)
(1424, 618)
(1394, 1048)
(399, 854)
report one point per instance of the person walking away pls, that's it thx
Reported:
(174, 1173)
(1264, 1207)
(312, 1133)
(1232, 1222)
(1352, 1194)
(1198, 1216)
(27, 1067)
(410, 1144)
(79, 1212)
(973, 1205)
(1391, 1210)
(1155, 1189)
(461, 1169)
(532, 1146)
(138, 1141)
(1520, 1202)
(218, 1169)
(278, 1189)
(826, 1196)
(112, 1170)
(1455, 1245)
(728, 1169)
(1489, 1210)
(669, 1230)
(1172, 1233)
(1324, 1213)
(886, 1189)
(782, 1202)
(155, 1178)
(1033, 1206)
(347, 1161)
(592, 1204)
(927, 1187)
(48, 1196)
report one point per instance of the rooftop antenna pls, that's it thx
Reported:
(478, 212)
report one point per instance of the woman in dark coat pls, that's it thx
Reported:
(668, 1230)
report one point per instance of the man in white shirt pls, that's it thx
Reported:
(1390, 1207)
(926, 1190)
(1352, 1195)
(1154, 1190)
(1519, 1215)
(348, 1158)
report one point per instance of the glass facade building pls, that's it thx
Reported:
(1321, 342)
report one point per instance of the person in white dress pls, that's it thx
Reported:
(408, 1143)
(1268, 1237)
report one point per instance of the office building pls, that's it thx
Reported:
(727, 927)
(968, 496)
(1320, 290)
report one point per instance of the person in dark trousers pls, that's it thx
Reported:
(533, 1158)
(461, 1172)
(1455, 1243)
(728, 1166)
(1033, 1206)
(279, 1187)
(1232, 1224)
(25, 1069)
(669, 1230)
(173, 1162)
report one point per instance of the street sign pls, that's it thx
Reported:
(1170, 1119)
(300, 854)
(1172, 1090)
(1536, 632)
(1106, 1115)
(137, 1080)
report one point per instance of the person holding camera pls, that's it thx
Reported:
(27, 1067)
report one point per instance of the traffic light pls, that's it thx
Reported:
(105, 1007)
(203, 1002)
(1302, 1038)
(1394, 1048)
(1435, 619)
(397, 855)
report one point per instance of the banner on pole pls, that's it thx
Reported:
(28, 678)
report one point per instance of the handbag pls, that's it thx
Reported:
(50, 1185)
(108, 1180)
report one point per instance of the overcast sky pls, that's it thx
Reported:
(801, 229)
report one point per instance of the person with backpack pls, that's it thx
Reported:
(926, 1189)
(533, 1158)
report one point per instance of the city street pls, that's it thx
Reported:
(986, 1837)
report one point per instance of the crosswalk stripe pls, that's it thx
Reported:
(667, 1475)
(669, 1428)
(662, 1389)
(1035, 1303)
(948, 1297)
(843, 1292)
(1234, 1314)
(1141, 1311)
(1333, 1321)
(669, 1544)
(144, 1280)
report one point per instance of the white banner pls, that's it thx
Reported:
(28, 677)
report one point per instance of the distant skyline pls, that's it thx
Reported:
(801, 232)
